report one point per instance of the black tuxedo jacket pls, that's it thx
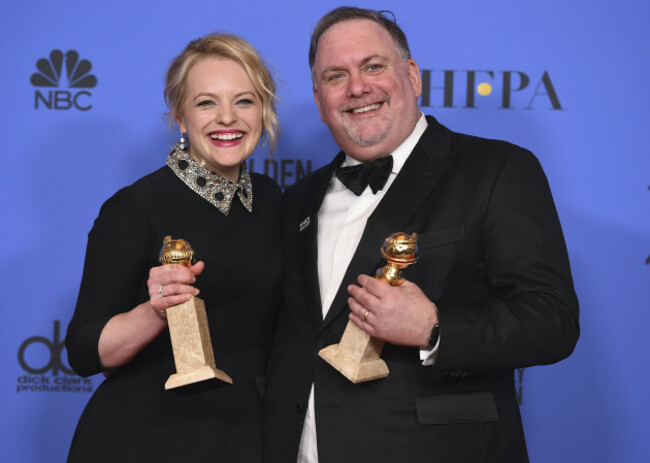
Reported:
(492, 258)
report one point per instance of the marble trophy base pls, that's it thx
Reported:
(357, 355)
(192, 346)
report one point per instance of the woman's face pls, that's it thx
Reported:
(222, 115)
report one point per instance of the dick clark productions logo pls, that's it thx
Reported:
(50, 75)
(42, 370)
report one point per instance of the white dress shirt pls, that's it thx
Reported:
(341, 221)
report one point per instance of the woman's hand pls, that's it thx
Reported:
(128, 333)
(170, 285)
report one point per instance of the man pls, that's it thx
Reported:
(492, 290)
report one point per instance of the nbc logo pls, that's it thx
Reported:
(77, 76)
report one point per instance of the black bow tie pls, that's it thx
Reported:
(359, 176)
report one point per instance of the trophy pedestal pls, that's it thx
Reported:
(200, 374)
(357, 355)
(193, 354)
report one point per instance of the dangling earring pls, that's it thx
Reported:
(182, 143)
(263, 138)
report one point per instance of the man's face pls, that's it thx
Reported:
(365, 92)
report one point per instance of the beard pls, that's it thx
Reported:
(368, 133)
(361, 138)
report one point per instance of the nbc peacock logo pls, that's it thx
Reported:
(50, 76)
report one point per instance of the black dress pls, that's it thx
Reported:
(131, 417)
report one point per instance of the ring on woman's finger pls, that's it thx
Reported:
(160, 291)
(365, 315)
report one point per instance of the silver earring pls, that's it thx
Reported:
(182, 143)
(263, 138)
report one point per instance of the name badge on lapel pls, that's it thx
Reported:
(304, 224)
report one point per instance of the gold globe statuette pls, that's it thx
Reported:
(188, 328)
(357, 355)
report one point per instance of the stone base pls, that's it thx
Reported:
(200, 374)
(192, 346)
(357, 356)
(355, 371)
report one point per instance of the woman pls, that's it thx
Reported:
(222, 97)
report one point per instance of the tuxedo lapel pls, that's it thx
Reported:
(418, 177)
(308, 237)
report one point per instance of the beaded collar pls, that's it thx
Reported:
(215, 189)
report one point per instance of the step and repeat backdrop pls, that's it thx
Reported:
(567, 80)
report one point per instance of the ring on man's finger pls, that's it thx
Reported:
(365, 315)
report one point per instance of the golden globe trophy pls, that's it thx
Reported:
(357, 355)
(188, 328)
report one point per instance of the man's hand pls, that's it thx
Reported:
(400, 315)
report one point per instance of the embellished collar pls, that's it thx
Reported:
(212, 187)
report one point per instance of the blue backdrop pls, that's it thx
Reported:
(567, 80)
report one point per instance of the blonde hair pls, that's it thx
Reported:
(234, 48)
